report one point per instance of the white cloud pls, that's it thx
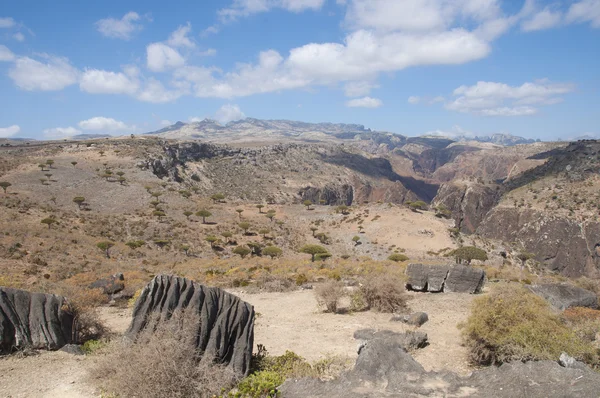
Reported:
(210, 52)
(358, 88)
(6, 54)
(365, 102)
(161, 57)
(414, 100)
(180, 38)
(165, 123)
(122, 28)
(245, 8)
(544, 19)
(97, 81)
(228, 113)
(104, 124)
(19, 36)
(500, 99)
(55, 74)
(585, 11)
(7, 22)
(417, 15)
(9, 131)
(60, 132)
(154, 91)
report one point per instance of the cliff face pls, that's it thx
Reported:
(561, 244)
(468, 202)
(287, 172)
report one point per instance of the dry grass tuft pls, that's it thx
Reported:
(329, 294)
(163, 362)
(513, 324)
(384, 293)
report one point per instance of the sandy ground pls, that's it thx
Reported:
(292, 321)
(287, 321)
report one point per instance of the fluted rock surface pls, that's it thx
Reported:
(34, 320)
(226, 323)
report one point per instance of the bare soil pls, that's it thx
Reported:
(286, 321)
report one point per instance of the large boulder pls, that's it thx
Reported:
(463, 279)
(111, 285)
(35, 320)
(226, 323)
(385, 369)
(444, 278)
(426, 278)
(562, 296)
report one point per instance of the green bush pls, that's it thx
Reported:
(259, 385)
(513, 324)
(91, 346)
(397, 257)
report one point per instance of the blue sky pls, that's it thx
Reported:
(525, 67)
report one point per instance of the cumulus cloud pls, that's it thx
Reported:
(97, 81)
(358, 88)
(365, 102)
(585, 11)
(60, 132)
(105, 124)
(19, 36)
(544, 19)
(500, 99)
(6, 54)
(245, 8)
(154, 91)
(161, 57)
(228, 113)
(9, 131)
(54, 74)
(180, 38)
(414, 100)
(123, 28)
(7, 22)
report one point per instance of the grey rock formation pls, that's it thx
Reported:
(226, 327)
(415, 319)
(562, 296)
(408, 341)
(444, 278)
(384, 369)
(464, 279)
(111, 285)
(426, 278)
(567, 361)
(562, 244)
(34, 320)
(329, 194)
(469, 203)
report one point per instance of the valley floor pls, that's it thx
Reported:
(287, 321)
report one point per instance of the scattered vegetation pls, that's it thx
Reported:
(513, 324)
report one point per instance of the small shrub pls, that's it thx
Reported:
(329, 294)
(384, 293)
(91, 346)
(397, 257)
(513, 324)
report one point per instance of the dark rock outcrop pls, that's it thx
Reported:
(464, 279)
(563, 296)
(562, 244)
(426, 278)
(468, 203)
(226, 327)
(415, 319)
(384, 369)
(444, 278)
(329, 194)
(34, 320)
(111, 285)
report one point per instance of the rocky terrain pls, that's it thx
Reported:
(243, 207)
